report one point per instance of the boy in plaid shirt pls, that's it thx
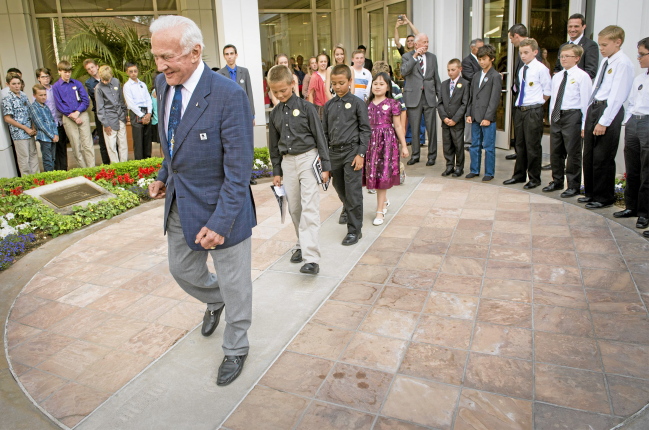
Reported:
(46, 128)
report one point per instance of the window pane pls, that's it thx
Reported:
(496, 25)
(166, 5)
(45, 6)
(46, 32)
(83, 6)
(324, 34)
(394, 58)
(323, 4)
(284, 4)
(377, 36)
(285, 33)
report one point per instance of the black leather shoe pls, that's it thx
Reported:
(412, 161)
(351, 238)
(430, 163)
(253, 182)
(458, 173)
(342, 219)
(211, 321)
(448, 171)
(552, 186)
(597, 205)
(471, 175)
(512, 181)
(230, 368)
(487, 178)
(547, 167)
(642, 223)
(310, 268)
(645, 234)
(585, 199)
(531, 185)
(626, 213)
(570, 192)
(510, 157)
(297, 256)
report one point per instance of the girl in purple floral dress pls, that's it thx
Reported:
(382, 157)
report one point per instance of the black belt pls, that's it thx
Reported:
(526, 108)
(570, 110)
(599, 102)
(342, 145)
(640, 117)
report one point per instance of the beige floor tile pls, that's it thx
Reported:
(569, 351)
(449, 332)
(625, 328)
(625, 358)
(112, 371)
(72, 360)
(377, 352)
(341, 314)
(79, 323)
(511, 239)
(382, 258)
(115, 331)
(267, 408)
(552, 243)
(323, 416)
(471, 251)
(435, 363)
(562, 275)
(451, 305)
(500, 340)
(413, 261)
(458, 284)
(355, 387)
(74, 402)
(18, 333)
(404, 299)
(613, 302)
(185, 315)
(571, 388)
(549, 417)
(463, 266)
(390, 322)
(474, 223)
(146, 282)
(607, 280)
(554, 257)
(427, 246)
(627, 394)
(322, 341)
(84, 295)
(518, 291)
(521, 255)
(297, 373)
(41, 385)
(505, 313)
(115, 301)
(500, 375)
(509, 270)
(149, 308)
(369, 273)
(558, 295)
(417, 279)
(57, 288)
(480, 410)
(153, 341)
(562, 320)
(363, 293)
(47, 315)
(391, 424)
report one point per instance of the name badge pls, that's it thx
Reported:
(348, 105)
(385, 107)
(241, 81)
(115, 88)
(296, 112)
(203, 136)
(485, 79)
(531, 84)
(573, 81)
(459, 86)
(610, 71)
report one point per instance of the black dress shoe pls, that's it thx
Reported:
(253, 182)
(552, 186)
(547, 167)
(297, 256)
(570, 192)
(597, 205)
(642, 223)
(512, 181)
(510, 157)
(430, 163)
(211, 321)
(448, 171)
(626, 213)
(310, 268)
(645, 234)
(343, 218)
(531, 185)
(412, 161)
(487, 178)
(351, 238)
(471, 175)
(230, 368)
(585, 199)
(458, 173)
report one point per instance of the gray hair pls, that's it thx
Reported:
(190, 33)
(474, 42)
(419, 36)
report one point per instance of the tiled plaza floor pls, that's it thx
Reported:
(477, 307)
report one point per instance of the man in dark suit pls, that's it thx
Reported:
(206, 135)
(419, 69)
(590, 60)
(239, 75)
(470, 65)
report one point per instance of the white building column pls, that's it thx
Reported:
(237, 23)
(16, 50)
(202, 13)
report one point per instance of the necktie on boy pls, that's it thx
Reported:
(174, 117)
(452, 88)
(522, 93)
(599, 82)
(556, 112)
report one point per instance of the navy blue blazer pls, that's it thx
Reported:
(209, 173)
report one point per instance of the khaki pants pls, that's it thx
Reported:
(80, 140)
(116, 144)
(302, 195)
(27, 155)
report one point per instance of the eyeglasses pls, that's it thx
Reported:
(642, 55)
(564, 57)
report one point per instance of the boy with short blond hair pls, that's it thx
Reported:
(46, 128)
(15, 109)
(454, 98)
(362, 76)
(604, 119)
(296, 139)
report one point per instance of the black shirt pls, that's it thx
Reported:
(345, 121)
(90, 85)
(295, 128)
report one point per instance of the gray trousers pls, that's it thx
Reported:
(636, 159)
(414, 118)
(232, 289)
(565, 143)
(348, 184)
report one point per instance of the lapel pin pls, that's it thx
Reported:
(203, 136)
(459, 85)
(197, 105)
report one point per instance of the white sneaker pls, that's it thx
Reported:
(377, 220)
(371, 191)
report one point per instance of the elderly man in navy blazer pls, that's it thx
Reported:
(206, 135)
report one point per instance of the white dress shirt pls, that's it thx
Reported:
(537, 83)
(616, 86)
(188, 89)
(639, 98)
(577, 40)
(454, 85)
(136, 95)
(482, 75)
(577, 93)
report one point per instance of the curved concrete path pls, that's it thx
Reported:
(495, 303)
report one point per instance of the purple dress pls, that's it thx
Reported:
(382, 157)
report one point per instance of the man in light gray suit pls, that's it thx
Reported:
(419, 69)
(205, 129)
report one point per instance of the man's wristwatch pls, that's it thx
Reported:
(361, 155)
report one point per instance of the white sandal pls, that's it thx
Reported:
(377, 220)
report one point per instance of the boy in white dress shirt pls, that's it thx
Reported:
(604, 119)
(571, 89)
(636, 145)
(536, 88)
(140, 109)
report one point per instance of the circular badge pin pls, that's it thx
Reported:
(348, 105)
(485, 79)
(74, 88)
(115, 88)
(610, 71)
(572, 81)
(296, 112)
(385, 107)
(459, 85)
(531, 84)
(241, 81)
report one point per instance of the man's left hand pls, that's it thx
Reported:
(325, 176)
(599, 130)
(209, 239)
(357, 162)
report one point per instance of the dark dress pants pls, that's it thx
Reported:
(99, 128)
(414, 118)
(61, 158)
(453, 144)
(141, 138)
(636, 160)
(348, 183)
(528, 129)
(565, 142)
(599, 155)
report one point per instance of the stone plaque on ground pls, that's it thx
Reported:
(62, 196)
